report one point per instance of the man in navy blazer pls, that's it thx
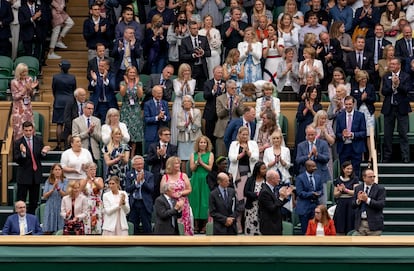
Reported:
(6, 17)
(21, 223)
(351, 135)
(352, 63)
(139, 183)
(308, 192)
(403, 50)
(369, 203)
(232, 129)
(156, 115)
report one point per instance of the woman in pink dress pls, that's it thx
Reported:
(182, 190)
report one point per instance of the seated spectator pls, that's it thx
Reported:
(321, 224)
(248, 93)
(21, 223)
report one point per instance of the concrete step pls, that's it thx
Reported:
(399, 190)
(399, 202)
(395, 178)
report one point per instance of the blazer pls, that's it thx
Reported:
(234, 152)
(81, 206)
(80, 128)
(321, 160)
(403, 102)
(111, 209)
(147, 188)
(63, 86)
(29, 29)
(334, 48)
(369, 101)
(118, 55)
(223, 113)
(158, 162)
(165, 215)
(359, 129)
(12, 226)
(93, 66)
(328, 229)
(306, 201)
(109, 90)
(293, 76)
(401, 50)
(233, 128)
(367, 21)
(249, 193)
(220, 210)
(71, 113)
(187, 49)
(6, 16)
(195, 127)
(210, 113)
(374, 209)
(270, 212)
(92, 38)
(370, 45)
(367, 63)
(151, 123)
(155, 79)
(25, 173)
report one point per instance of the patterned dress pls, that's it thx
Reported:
(252, 72)
(22, 106)
(200, 192)
(131, 113)
(119, 169)
(252, 215)
(52, 220)
(93, 222)
(186, 211)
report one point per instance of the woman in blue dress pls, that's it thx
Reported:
(54, 190)
(251, 53)
(234, 69)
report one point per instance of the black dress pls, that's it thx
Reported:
(344, 213)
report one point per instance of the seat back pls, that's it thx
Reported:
(199, 97)
(40, 212)
(6, 66)
(130, 228)
(31, 62)
(38, 123)
(209, 228)
(287, 228)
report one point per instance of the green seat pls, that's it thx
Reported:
(336, 168)
(277, 11)
(283, 122)
(59, 232)
(325, 98)
(330, 194)
(287, 228)
(188, 169)
(130, 228)
(40, 213)
(31, 62)
(199, 97)
(38, 123)
(6, 66)
(144, 79)
(4, 86)
(209, 228)
(181, 228)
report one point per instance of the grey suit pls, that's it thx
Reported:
(165, 215)
(80, 128)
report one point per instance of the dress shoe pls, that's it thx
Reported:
(405, 160)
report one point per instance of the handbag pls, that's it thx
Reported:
(73, 228)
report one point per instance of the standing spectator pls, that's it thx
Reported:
(289, 32)
(385, 64)
(214, 40)
(128, 21)
(277, 157)
(267, 102)
(396, 106)
(233, 68)
(220, 165)
(251, 191)
(359, 59)
(337, 104)
(321, 13)
(338, 78)
(369, 202)
(140, 186)
(6, 19)
(321, 224)
(235, 3)
(21, 223)
(201, 163)
(344, 186)
(116, 207)
(258, 10)
(343, 13)
(101, 53)
(163, 79)
(166, 13)
(175, 35)
(61, 24)
(63, 86)
(312, 26)
(27, 153)
(112, 122)
(74, 207)
(232, 32)
(184, 85)
(15, 27)
(54, 190)
(211, 8)
(337, 31)
(366, 17)
(271, 200)
(131, 92)
(73, 110)
(269, 125)
(310, 64)
(223, 207)
(272, 54)
(291, 8)
(390, 20)
(404, 48)
(74, 159)
(251, 53)
(287, 77)
(22, 89)
(376, 45)
(116, 157)
(247, 120)
(155, 45)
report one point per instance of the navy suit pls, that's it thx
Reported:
(352, 151)
(374, 210)
(71, 113)
(306, 200)
(63, 86)
(92, 38)
(99, 91)
(221, 209)
(152, 123)
(210, 113)
(12, 226)
(6, 17)
(233, 128)
(352, 63)
(141, 208)
(93, 66)
(369, 101)
(165, 215)
(118, 55)
(402, 52)
(370, 45)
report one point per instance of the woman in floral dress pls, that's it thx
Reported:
(251, 53)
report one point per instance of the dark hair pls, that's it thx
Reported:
(162, 130)
(256, 169)
(343, 166)
(27, 124)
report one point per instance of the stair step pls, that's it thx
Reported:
(399, 190)
(395, 168)
(399, 223)
(392, 178)
(399, 202)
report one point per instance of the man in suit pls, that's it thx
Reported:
(156, 115)
(369, 202)
(223, 207)
(167, 210)
(28, 151)
(21, 223)
(94, 62)
(404, 48)
(139, 183)
(72, 111)
(359, 59)
(6, 18)
(228, 106)
(271, 200)
(248, 120)
(351, 135)
(396, 106)
(212, 89)
(88, 128)
(194, 50)
(308, 192)
(163, 79)
(102, 86)
(158, 153)
(316, 150)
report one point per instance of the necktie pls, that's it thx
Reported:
(172, 203)
(378, 55)
(127, 55)
(326, 49)
(367, 190)
(225, 195)
(409, 48)
(218, 88)
(34, 165)
(363, 204)
(310, 149)
(81, 109)
(162, 81)
(311, 183)
(195, 43)
(88, 122)
(349, 123)
(32, 9)
(21, 227)
(360, 60)
(230, 107)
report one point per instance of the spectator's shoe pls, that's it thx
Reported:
(61, 45)
(53, 56)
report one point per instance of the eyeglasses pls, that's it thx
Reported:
(166, 134)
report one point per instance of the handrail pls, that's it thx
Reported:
(5, 152)
(7, 122)
(373, 153)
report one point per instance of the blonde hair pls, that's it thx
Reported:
(241, 130)
(111, 112)
(169, 165)
(110, 146)
(183, 67)
(20, 68)
(197, 142)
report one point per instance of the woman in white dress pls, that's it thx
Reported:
(183, 85)
(214, 40)
(289, 32)
(273, 48)
(277, 156)
(73, 160)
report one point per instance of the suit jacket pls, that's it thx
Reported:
(165, 215)
(25, 173)
(367, 63)
(6, 17)
(374, 210)
(63, 86)
(111, 208)
(28, 29)
(270, 212)
(195, 126)
(328, 229)
(369, 101)
(321, 160)
(359, 129)
(71, 113)
(233, 128)
(151, 123)
(93, 66)
(306, 201)
(158, 162)
(12, 226)
(402, 52)
(155, 79)
(210, 113)
(403, 102)
(367, 21)
(92, 38)
(80, 128)
(81, 206)
(337, 61)
(100, 88)
(370, 45)
(147, 188)
(293, 76)
(187, 50)
(223, 113)
(220, 210)
(118, 55)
